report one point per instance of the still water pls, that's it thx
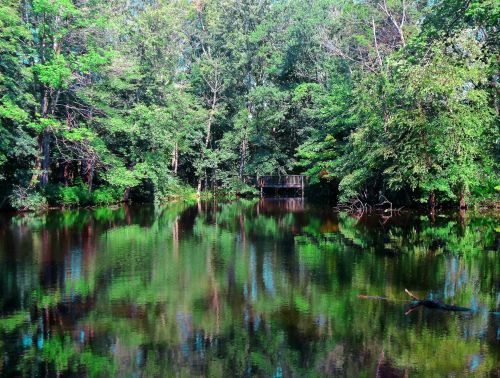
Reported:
(249, 288)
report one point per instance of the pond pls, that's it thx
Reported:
(270, 288)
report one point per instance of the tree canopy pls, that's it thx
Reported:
(105, 101)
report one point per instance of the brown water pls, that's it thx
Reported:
(249, 288)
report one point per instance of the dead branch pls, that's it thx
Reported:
(411, 294)
(416, 302)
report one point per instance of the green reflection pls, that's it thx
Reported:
(266, 288)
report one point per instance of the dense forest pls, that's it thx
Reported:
(104, 101)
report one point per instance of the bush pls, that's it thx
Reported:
(68, 196)
(106, 196)
(231, 185)
(27, 199)
(163, 187)
(79, 195)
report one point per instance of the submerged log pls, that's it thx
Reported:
(433, 304)
(416, 302)
(438, 305)
(372, 297)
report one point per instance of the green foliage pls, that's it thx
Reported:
(79, 195)
(318, 156)
(394, 98)
(106, 196)
(71, 195)
(122, 177)
(436, 133)
(60, 7)
(54, 73)
(92, 61)
(27, 199)
(10, 323)
(9, 110)
(68, 196)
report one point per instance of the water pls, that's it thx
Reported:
(249, 288)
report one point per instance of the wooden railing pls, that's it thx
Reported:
(288, 181)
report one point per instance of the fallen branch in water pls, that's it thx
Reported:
(416, 302)
(359, 205)
(411, 294)
(434, 304)
(372, 297)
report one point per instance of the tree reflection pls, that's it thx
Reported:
(246, 288)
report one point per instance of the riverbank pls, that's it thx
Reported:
(191, 197)
(79, 196)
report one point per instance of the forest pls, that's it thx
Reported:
(147, 100)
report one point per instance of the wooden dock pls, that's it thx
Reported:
(297, 182)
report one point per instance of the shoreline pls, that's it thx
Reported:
(491, 207)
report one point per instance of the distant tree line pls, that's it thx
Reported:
(102, 101)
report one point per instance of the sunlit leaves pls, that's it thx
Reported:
(9, 110)
(57, 7)
(54, 73)
(122, 177)
(41, 124)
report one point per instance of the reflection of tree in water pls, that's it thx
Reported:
(239, 289)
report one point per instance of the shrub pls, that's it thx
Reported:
(68, 196)
(27, 199)
(105, 196)
(79, 195)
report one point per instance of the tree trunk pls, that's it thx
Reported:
(198, 190)
(243, 157)
(463, 204)
(90, 173)
(38, 164)
(431, 201)
(175, 159)
(45, 147)
(44, 142)
(66, 174)
(207, 138)
(126, 194)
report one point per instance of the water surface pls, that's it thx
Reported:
(248, 288)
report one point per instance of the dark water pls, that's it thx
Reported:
(247, 288)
